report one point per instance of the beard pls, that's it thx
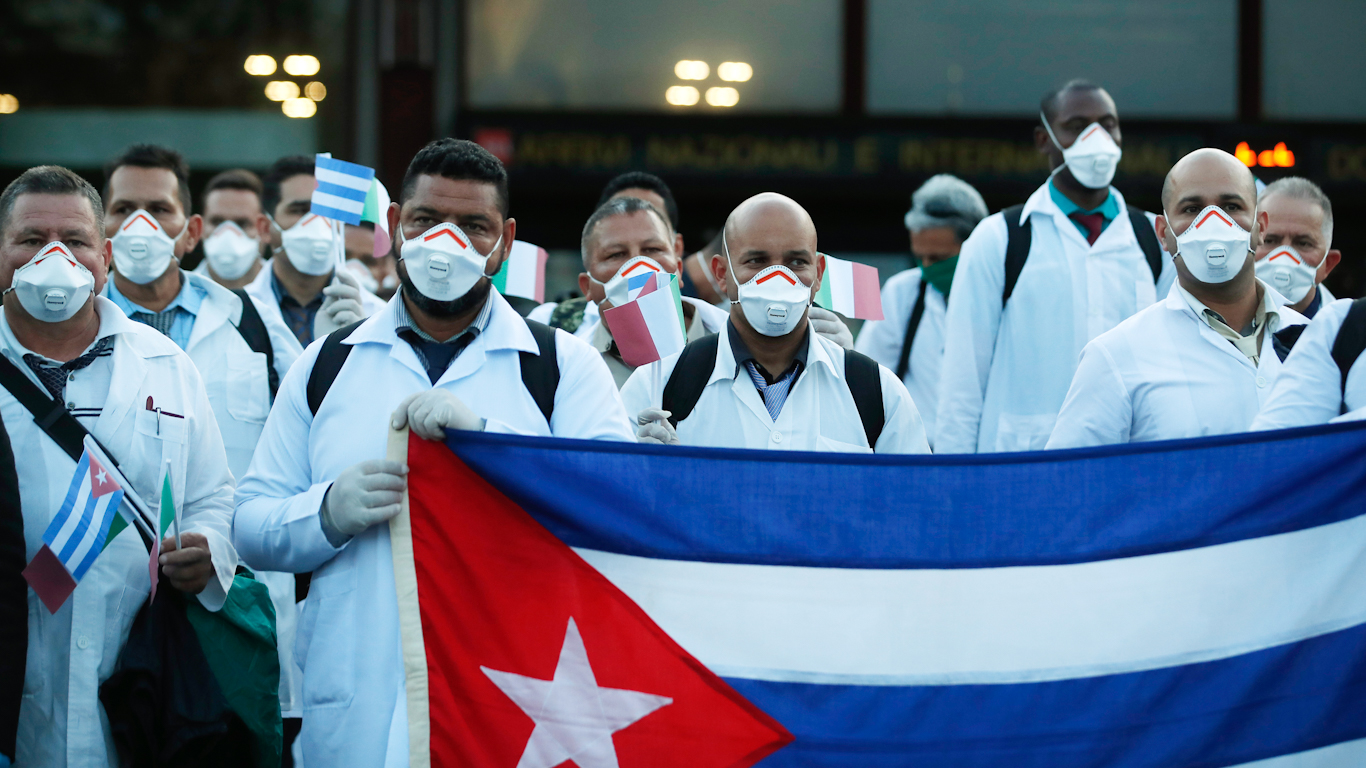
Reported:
(444, 309)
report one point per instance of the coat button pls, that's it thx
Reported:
(1261, 382)
(83, 642)
(71, 406)
(777, 437)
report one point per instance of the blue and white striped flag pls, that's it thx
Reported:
(342, 187)
(76, 535)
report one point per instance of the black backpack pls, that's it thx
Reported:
(253, 331)
(1350, 343)
(696, 361)
(1019, 237)
(540, 373)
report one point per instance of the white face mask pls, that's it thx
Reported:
(230, 252)
(53, 286)
(443, 263)
(308, 245)
(1214, 248)
(1092, 158)
(1286, 270)
(142, 249)
(625, 285)
(774, 301)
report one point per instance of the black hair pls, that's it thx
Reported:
(618, 207)
(1048, 105)
(153, 156)
(642, 180)
(50, 180)
(460, 160)
(285, 168)
(237, 178)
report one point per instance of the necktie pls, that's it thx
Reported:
(1093, 222)
(54, 376)
(159, 320)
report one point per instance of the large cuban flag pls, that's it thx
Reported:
(1183, 604)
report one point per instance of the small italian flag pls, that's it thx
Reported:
(376, 211)
(523, 272)
(651, 327)
(168, 517)
(850, 289)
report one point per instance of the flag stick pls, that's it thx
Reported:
(141, 515)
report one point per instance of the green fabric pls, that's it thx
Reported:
(167, 504)
(239, 643)
(568, 315)
(940, 274)
(1108, 209)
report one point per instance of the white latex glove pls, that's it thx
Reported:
(431, 413)
(341, 304)
(829, 325)
(655, 427)
(363, 494)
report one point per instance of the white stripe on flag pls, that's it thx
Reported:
(68, 528)
(660, 313)
(1333, 756)
(1002, 625)
(338, 203)
(841, 276)
(521, 276)
(329, 176)
(92, 533)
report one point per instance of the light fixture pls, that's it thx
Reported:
(723, 97)
(9, 104)
(315, 91)
(734, 71)
(692, 70)
(681, 95)
(1278, 156)
(299, 107)
(260, 64)
(302, 65)
(282, 90)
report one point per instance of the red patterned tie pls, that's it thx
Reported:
(1094, 223)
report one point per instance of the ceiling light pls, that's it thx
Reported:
(315, 91)
(723, 97)
(302, 65)
(281, 90)
(260, 64)
(681, 95)
(692, 70)
(734, 71)
(9, 103)
(299, 107)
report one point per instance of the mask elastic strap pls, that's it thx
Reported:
(1044, 119)
(725, 248)
(486, 258)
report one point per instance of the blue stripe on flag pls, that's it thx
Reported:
(345, 192)
(1045, 508)
(1220, 713)
(341, 166)
(107, 513)
(338, 214)
(64, 512)
(82, 525)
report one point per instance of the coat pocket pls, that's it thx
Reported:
(248, 387)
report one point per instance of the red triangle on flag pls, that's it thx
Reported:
(510, 613)
(101, 480)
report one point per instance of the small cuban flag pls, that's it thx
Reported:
(850, 289)
(342, 189)
(523, 272)
(650, 327)
(77, 533)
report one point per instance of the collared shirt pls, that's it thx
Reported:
(299, 317)
(1108, 209)
(176, 320)
(773, 390)
(436, 356)
(1249, 341)
(1316, 304)
(87, 389)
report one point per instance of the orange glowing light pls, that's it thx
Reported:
(1278, 156)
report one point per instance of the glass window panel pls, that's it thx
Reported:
(1311, 48)
(1158, 58)
(621, 54)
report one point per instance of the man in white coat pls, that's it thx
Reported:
(1203, 361)
(910, 337)
(769, 380)
(1035, 283)
(235, 229)
(1322, 380)
(446, 352)
(1297, 253)
(241, 349)
(142, 399)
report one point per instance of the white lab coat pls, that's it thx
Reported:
(819, 415)
(882, 340)
(1006, 371)
(1164, 374)
(70, 653)
(1310, 389)
(261, 290)
(354, 713)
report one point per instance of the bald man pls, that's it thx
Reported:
(1202, 361)
(767, 380)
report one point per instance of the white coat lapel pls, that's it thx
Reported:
(126, 377)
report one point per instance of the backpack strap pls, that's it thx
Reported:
(1019, 238)
(903, 363)
(253, 330)
(331, 357)
(1284, 340)
(1350, 343)
(689, 377)
(863, 376)
(1147, 240)
(541, 373)
(568, 314)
